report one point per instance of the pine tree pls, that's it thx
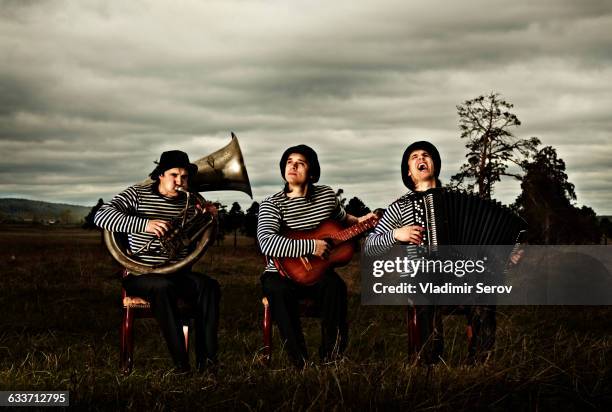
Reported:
(235, 220)
(486, 122)
(356, 207)
(250, 222)
(546, 203)
(89, 219)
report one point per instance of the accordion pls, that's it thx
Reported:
(456, 217)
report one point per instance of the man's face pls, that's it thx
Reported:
(170, 179)
(296, 169)
(420, 166)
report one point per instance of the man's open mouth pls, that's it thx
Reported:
(422, 166)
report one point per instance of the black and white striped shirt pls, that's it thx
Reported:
(404, 211)
(129, 212)
(295, 213)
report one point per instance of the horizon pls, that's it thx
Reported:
(243, 206)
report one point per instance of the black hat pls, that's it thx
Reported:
(421, 145)
(311, 157)
(172, 159)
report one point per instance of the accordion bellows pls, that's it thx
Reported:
(456, 217)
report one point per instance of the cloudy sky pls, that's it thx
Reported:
(91, 92)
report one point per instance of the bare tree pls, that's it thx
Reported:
(486, 122)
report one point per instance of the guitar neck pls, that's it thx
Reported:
(355, 230)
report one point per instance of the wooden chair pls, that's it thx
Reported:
(308, 309)
(135, 308)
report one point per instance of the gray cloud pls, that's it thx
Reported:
(92, 92)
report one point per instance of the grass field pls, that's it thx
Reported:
(60, 304)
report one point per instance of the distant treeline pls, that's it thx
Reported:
(235, 220)
(559, 222)
(551, 216)
(35, 211)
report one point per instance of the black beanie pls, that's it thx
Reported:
(311, 157)
(421, 145)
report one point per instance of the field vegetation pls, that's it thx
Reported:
(60, 304)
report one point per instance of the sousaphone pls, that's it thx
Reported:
(221, 170)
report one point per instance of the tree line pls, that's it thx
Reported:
(236, 221)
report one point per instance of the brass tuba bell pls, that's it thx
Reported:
(221, 170)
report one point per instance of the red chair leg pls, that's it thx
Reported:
(122, 341)
(470, 336)
(414, 337)
(127, 341)
(267, 331)
(186, 334)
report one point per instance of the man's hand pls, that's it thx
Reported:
(207, 207)
(409, 233)
(353, 220)
(212, 209)
(516, 256)
(322, 249)
(157, 227)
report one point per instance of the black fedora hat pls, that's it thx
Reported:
(172, 159)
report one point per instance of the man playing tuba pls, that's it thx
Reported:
(146, 213)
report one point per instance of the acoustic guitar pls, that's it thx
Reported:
(308, 270)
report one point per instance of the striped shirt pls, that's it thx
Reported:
(407, 210)
(130, 211)
(294, 213)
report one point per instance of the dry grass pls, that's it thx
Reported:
(59, 331)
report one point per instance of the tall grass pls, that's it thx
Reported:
(60, 304)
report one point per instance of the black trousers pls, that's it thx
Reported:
(482, 319)
(330, 296)
(163, 292)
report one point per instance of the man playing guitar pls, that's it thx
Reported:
(302, 206)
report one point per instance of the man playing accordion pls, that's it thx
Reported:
(404, 222)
